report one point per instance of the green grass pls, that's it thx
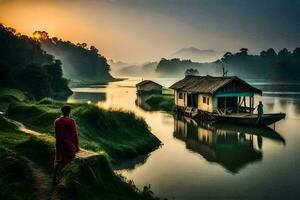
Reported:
(14, 94)
(167, 91)
(16, 180)
(40, 149)
(93, 178)
(122, 135)
(160, 102)
(15, 177)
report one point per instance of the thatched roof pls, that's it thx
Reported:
(147, 82)
(210, 84)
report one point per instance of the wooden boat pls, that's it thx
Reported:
(250, 119)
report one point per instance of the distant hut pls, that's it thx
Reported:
(228, 94)
(148, 86)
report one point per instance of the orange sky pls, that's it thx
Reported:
(112, 34)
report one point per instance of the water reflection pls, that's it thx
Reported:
(141, 102)
(84, 97)
(233, 147)
(240, 163)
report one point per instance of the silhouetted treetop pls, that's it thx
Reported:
(24, 65)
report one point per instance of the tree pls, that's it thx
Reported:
(40, 35)
(191, 71)
(227, 55)
(296, 52)
(82, 45)
(94, 49)
(270, 53)
(244, 51)
(284, 53)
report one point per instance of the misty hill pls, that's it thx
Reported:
(146, 69)
(176, 67)
(198, 55)
(25, 66)
(116, 66)
(80, 63)
(268, 65)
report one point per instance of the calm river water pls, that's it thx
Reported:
(219, 161)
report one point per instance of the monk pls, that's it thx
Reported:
(67, 143)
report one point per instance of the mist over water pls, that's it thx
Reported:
(212, 160)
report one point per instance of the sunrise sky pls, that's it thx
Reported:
(146, 30)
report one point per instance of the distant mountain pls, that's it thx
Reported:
(198, 55)
(146, 70)
(114, 63)
(116, 66)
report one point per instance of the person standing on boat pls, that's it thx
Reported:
(67, 142)
(260, 112)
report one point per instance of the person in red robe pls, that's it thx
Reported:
(67, 142)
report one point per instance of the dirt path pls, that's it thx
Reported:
(42, 181)
(83, 153)
(43, 184)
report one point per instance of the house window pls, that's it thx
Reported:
(180, 95)
(205, 100)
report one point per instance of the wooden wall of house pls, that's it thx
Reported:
(206, 105)
(180, 101)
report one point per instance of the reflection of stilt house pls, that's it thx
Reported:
(215, 94)
(233, 150)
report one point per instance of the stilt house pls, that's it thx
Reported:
(148, 86)
(228, 94)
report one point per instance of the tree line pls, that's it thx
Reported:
(284, 65)
(25, 66)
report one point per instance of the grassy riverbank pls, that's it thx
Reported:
(121, 135)
(115, 135)
(16, 148)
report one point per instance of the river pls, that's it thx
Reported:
(204, 161)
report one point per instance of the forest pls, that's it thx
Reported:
(23, 64)
(281, 66)
(79, 62)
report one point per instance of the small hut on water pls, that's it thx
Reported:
(228, 94)
(148, 86)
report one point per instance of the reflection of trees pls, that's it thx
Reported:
(269, 106)
(86, 96)
(132, 163)
(141, 102)
(296, 104)
(230, 146)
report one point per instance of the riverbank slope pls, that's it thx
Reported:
(113, 135)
